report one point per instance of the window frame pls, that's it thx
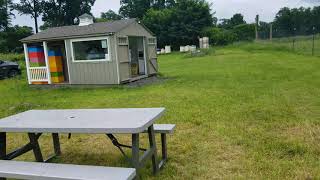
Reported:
(107, 58)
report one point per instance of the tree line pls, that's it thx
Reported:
(174, 22)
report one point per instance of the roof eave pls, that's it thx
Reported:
(64, 37)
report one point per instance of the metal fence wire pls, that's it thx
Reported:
(307, 45)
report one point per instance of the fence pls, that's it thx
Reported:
(307, 45)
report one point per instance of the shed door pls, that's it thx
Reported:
(152, 56)
(124, 58)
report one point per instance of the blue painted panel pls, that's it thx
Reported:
(54, 53)
(35, 49)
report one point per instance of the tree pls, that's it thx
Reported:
(235, 20)
(30, 7)
(10, 39)
(162, 4)
(138, 8)
(181, 24)
(108, 16)
(5, 14)
(297, 21)
(64, 12)
(134, 8)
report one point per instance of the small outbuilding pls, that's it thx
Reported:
(113, 52)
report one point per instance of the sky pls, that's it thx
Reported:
(267, 9)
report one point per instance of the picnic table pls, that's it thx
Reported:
(132, 121)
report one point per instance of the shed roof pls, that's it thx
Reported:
(67, 32)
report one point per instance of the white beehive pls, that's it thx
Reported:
(193, 48)
(167, 49)
(163, 51)
(187, 48)
(182, 49)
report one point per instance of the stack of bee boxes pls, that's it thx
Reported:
(36, 56)
(56, 66)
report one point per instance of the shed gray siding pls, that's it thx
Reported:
(93, 72)
(136, 29)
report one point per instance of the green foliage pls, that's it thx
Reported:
(236, 19)
(108, 16)
(244, 32)
(64, 12)
(297, 21)
(219, 36)
(139, 8)
(5, 14)
(12, 57)
(181, 24)
(10, 39)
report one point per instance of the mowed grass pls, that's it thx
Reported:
(240, 113)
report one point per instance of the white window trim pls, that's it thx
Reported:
(108, 56)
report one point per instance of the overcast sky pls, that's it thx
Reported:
(267, 9)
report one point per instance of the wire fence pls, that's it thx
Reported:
(307, 45)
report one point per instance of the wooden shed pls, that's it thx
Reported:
(112, 52)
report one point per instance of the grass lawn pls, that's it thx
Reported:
(244, 112)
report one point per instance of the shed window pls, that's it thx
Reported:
(152, 41)
(90, 50)
(123, 40)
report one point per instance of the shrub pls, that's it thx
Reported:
(12, 57)
(219, 36)
(244, 32)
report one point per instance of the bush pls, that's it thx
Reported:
(12, 57)
(244, 32)
(219, 36)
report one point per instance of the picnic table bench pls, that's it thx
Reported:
(46, 171)
(87, 121)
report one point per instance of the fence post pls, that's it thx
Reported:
(313, 39)
(294, 38)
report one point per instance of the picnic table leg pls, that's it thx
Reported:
(153, 147)
(135, 152)
(164, 150)
(36, 148)
(3, 147)
(56, 143)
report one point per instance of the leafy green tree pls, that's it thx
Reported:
(138, 8)
(5, 14)
(297, 21)
(64, 12)
(134, 8)
(181, 24)
(162, 4)
(108, 16)
(30, 7)
(235, 20)
(10, 39)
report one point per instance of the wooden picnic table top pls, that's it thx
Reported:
(87, 121)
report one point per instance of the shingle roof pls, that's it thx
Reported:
(67, 32)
